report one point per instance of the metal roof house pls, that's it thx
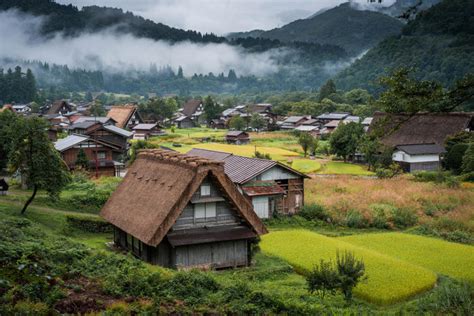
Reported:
(271, 186)
(237, 137)
(179, 211)
(418, 157)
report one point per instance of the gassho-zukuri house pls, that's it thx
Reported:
(180, 211)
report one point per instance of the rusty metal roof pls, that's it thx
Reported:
(259, 188)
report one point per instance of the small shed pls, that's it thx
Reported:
(179, 211)
(144, 131)
(417, 157)
(4, 187)
(237, 137)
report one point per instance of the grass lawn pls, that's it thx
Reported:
(390, 280)
(339, 167)
(447, 258)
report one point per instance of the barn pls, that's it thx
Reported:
(237, 137)
(179, 211)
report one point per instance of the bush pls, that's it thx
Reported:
(438, 177)
(355, 219)
(403, 217)
(323, 279)
(313, 212)
(88, 224)
(344, 275)
(453, 298)
(191, 285)
(388, 173)
(453, 159)
(380, 219)
(467, 177)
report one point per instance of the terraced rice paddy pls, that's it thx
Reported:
(390, 280)
(451, 259)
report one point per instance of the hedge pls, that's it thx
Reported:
(89, 224)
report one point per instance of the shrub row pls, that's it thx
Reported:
(88, 224)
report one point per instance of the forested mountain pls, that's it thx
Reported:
(344, 26)
(72, 21)
(439, 44)
(401, 6)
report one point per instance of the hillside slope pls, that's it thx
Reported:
(439, 44)
(343, 26)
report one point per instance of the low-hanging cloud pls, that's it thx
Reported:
(110, 51)
(222, 16)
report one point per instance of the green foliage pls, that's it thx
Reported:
(345, 139)
(403, 218)
(191, 286)
(439, 177)
(8, 120)
(307, 143)
(351, 271)
(16, 86)
(313, 212)
(468, 159)
(159, 109)
(34, 156)
(212, 109)
(456, 298)
(81, 160)
(137, 145)
(237, 123)
(88, 224)
(388, 173)
(355, 219)
(327, 90)
(257, 122)
(323, 279)
(261, 155)
(453, 158)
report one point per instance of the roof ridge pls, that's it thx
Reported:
(177, 158)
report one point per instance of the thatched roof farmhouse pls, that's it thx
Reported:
(178, 211)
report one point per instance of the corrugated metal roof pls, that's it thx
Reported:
(263, 188)
(240, 169)
(306, 128)
(101, 119)
(82, 125)
(294, 119)
(333, 116)
(235, 133)
(118, 130)
(145, 126)
(69, 142)
(422, 149)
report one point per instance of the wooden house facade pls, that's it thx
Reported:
(271, 187)
(100, 155)
(179, 211)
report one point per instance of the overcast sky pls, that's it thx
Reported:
(219, 16)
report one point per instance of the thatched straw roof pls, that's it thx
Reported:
(122, 114)
(421, 128)
(159, 185)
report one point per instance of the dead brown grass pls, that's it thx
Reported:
(342, 194)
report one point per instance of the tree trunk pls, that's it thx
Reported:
(35, 189)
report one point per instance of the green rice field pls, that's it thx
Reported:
(390, 280)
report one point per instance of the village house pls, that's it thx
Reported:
(4, 187)
(144, 131)
(60, 107)
(330, 126)
(99, 154)
(328, 117)
(180, 211)
(118, 137)
(125, 116)
(101, 119)
(418, 157)
(237, 138)
(217, 123)
(184, 122)
(293, 122)
(194, 110)
(419, 139)
(22, 108)
(272, 187)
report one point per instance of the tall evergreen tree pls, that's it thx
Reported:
(327, 89)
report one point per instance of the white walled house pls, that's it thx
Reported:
(417, 157)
